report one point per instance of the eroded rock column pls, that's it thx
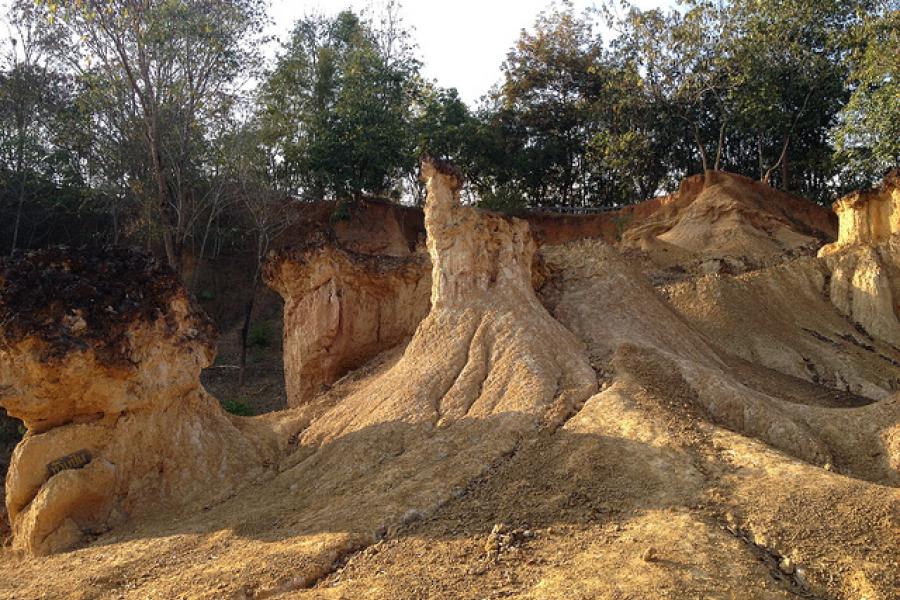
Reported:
(865, 261)
(100, 357)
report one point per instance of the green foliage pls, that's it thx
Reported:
(237, 407)
(341, 213)
(128, 121)
(868, 134)
(542, 110)
(506, 199)
(260, 334)
(339, 106)
(159, 81)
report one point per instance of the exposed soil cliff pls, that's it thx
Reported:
(865, 260)
(100, 357)
(341, 309)
(725, 221)
(871, 216)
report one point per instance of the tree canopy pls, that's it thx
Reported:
(150, 121)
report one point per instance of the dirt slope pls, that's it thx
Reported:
(603, 439)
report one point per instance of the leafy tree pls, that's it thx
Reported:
(443, 127)
(34, 105)
(868, 135)
(549, 78)
(683, 72)
(789, 84)
(338, 107)
(176, 65)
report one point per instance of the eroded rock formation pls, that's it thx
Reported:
(723, 220)
(484, 457)
(871, 216)
(341, 308)
(100, 357)
(865, 260)
(487, 346)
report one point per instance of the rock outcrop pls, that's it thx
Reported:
(100, 357)
(865, 260)
(723, 219)
(341, 308)
(869, 217)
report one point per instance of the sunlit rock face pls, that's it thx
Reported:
(342, 308)
(865, 260)
(100, 357)
(473, 252)
(869, 217)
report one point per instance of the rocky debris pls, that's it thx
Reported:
(502, 540)
(663, 353)
(341, 309)
(101, 361)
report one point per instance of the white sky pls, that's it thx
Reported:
(462, 42)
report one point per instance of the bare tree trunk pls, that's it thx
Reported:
(759, 153)
(720, 146)
(19, 207)
(784, 173)
(169, 242)
(115, 218)
(700, 147)
(784, 149)
(20, 170)
(245, 328)
(195, 276)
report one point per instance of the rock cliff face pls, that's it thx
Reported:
(341, 308)
(869, 217)
(100, 357)
(865, 260)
